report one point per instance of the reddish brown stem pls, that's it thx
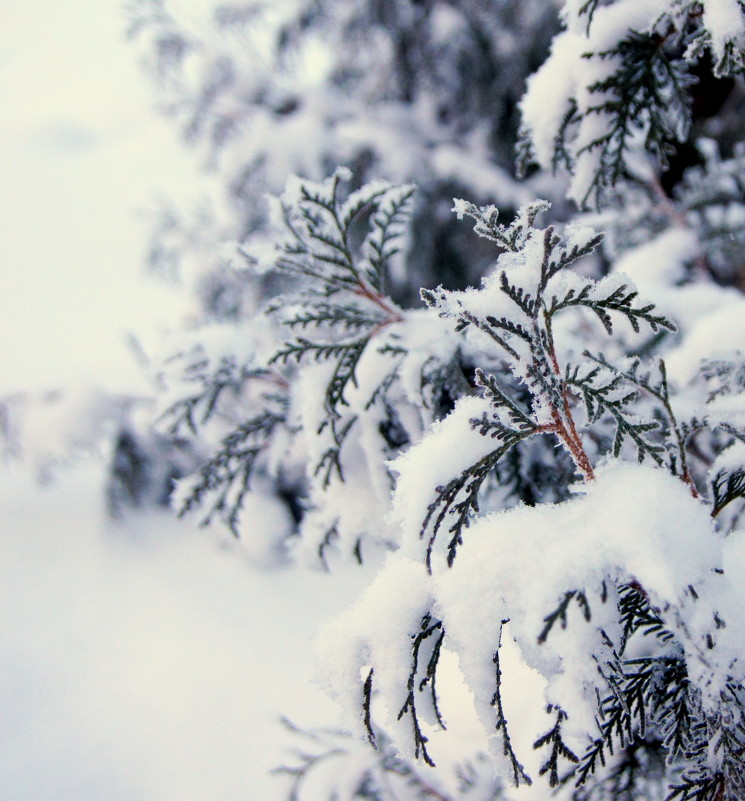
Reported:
(379, 300)
(566, 430)
(275, 378)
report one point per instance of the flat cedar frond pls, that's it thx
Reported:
(705, 787)
(673, 708)
(501, 400)
(319, 228)
(330, 461)
(652, 379)
(559, 615)
(522, 335)
(603, 392)
(519, 776)
(519, 297)
(458, 499)
(196, 408)
(638, 773)
(646, 93)
(342, 288)
(558, 749)
(646, 76)
(319, 351)
(623, 715)
(727, 486)
(724, 376)
(620, 300)
(386, 226)
(344, 373)
(430, 634)
(348, 317)
(224, 481)
(495, 329)
(638, 615)
(510, 237)
(648, 693)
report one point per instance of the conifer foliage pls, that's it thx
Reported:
(546, 468)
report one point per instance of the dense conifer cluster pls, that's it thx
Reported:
(543, 450)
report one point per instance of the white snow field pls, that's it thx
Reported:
(142, 661)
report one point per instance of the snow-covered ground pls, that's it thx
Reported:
(143, 660)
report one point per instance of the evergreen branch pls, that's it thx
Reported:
(561, 258)
(620, 301)
(387, 382)
(518, 771)
(671, 708)
(544, 379)
(560, 613)
(559, 749)
(302, 347)
(509, 326)
(636, 614)
(347, 316)
(646, 92)
(344, 373)
(331, 207)
(510, 237)
(357, 203)
(435, 298)
(622, 715)
(518, 296)
(629, 777)
(488, 382)
(428, 628)
(385, 229)
(647, 690)
(550, 241)
(727, 486)
(197, 409)
(465, 486)
(706, 787)
(431, 676)
(334, 281)
(330, 461)
(492, 426)
(661, 392)
(366, 707)
(343, 260)
(228, 473)
(611, 398)
(319, 227)
(562, 155)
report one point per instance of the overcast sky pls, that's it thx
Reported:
(80, 152)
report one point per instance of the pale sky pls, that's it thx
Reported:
(80, 153)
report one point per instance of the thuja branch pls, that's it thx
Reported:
(428, 629)
(658, 389)
(564, 425)
(518, 772)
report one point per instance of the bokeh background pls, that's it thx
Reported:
(140, 660)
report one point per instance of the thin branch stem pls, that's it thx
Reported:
(564, 425)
